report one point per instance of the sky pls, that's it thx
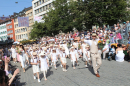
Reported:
(8, 7)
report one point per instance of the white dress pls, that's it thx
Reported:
(73, 56)
(120, 56)
(66, 49)
(44, 64)
(63, 58)
(22, 59)
(35, 67)
(13, 52)
(54, 57)
(87, 58)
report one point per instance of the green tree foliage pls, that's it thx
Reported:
(39, 30)
(67, 14)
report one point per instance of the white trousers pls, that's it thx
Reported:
(104, 54)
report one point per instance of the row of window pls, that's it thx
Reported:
(11, 36)
(29, 14)
(22, 36)
(21, 30)
(40, 2)
(3, 37)
(10, 31)
(3, 27)
(44, 8)
(4, 32)
(10, 26)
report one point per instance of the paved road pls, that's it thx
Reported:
(112, 74)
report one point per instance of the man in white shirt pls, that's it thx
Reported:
(96, 59)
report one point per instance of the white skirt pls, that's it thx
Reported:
(36, 68)
(13, 55)
(63, 60)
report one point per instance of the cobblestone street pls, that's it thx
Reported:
(112, 74)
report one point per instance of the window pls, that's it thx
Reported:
(40, 9)
(16, 25)
(46, 7)
(42, 1)
(49, 5)
(37, 4)
(43, 8)
(35, 11)
(39, 1)
(31, 14)
(34, 4)
(15, 20)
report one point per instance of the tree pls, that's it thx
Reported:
(39, 30)
(59, 17)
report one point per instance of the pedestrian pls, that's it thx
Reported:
(44, 63)
(35, 64)
(96, 59)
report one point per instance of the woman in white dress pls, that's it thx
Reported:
(119, 54)
(73, 56)
(26, 56)
(66, 49)
(63, 59)
(44, 63)
(22, 57)
(13, 50)
(54, 58)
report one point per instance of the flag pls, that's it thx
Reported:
(38, 18)
(23, 21)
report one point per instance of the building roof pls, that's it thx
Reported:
(21, 13)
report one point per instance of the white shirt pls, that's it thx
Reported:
(13, 50)
(106, 46)
(34, 60)
(90, 42)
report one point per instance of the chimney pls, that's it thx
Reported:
(3, 15)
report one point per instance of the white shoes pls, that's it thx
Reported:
(39, 80)
(51, 64)
(61, 65)
(86, 66)
(64, 69)
(34, 77)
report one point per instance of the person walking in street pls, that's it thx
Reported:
(96, 59)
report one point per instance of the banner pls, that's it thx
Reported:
(38, 18)
(23, 21)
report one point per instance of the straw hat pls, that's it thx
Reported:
(34, 48)
(94, 34)
(87, 46)
(34, 53)
(42, 53)
(45, 48)
(63, 48)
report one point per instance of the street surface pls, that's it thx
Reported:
(112, 74)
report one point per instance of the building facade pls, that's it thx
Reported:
(10, 29)
(3, 31)
(21, 33)
(29, 14)
(40, 7)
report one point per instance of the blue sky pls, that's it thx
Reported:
(8, 7)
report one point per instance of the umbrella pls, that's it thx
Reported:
(16, 42)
